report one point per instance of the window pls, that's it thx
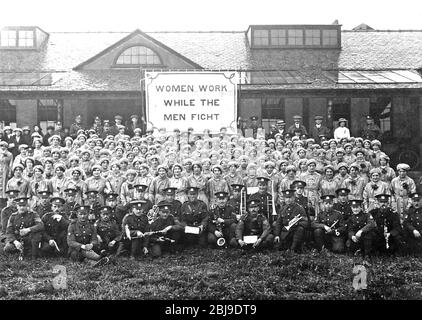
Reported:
(295, 37)
(312, 37)
(26, 38)
(272, 110)
(8, 113)
(138, 55)
(49, 111)
(8, 38)
(260, 37)
(278, 37)
(380, 110)
(329, 38)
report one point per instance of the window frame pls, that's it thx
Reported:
(16, 31)
(117, 65)
(267, 37)
(329, 45)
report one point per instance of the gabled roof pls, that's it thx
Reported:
(369, 50)
(128, 37)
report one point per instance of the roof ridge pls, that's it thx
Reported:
(386, 30)
(222, 31)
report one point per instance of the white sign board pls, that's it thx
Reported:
(250, 239)
(191, 230)
(200, 100)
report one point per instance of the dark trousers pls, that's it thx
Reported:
(291, 239)
(31, 243)
(158, 247)
(396, 244)
(61, 241)
(330, 241)
(267, 243)
(81, 255)
(188, 239)
(414, 245)
(228, 234)
(364, 244)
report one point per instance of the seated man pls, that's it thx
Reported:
(329, 228)
(7, 211)
(108, 232)
(70, 206)
(291, 224)
(170, 199)
(360, 226)
(116, 212)
(194, 213)
(93, 203)
(388, 232)
(134, 227)
(253, 224)
(24, 230)
(163, 235)
(412, 225)
(55, 229)
(221, 222)
(82, 239)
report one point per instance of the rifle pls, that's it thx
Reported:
(386, 235)
(335, 231)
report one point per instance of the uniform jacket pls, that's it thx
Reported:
(80, 233)
(226, 213)
(18, 221)
(54, 229)
(258, 226)
(194, 214)
(389, 218)
(413, 220)
(361, 221)
(328, 218)
(287, 213)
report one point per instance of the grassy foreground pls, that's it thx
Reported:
(216, 274)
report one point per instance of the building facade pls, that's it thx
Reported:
(284, 69)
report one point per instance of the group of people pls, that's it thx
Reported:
(99, 192)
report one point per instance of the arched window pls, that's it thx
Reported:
(138, 55)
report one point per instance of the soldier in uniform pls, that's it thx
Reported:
(7, 211)
(117, 212)
(329, 228)
(24, 230)
(70, 206)
(43, 204)
(55, 229)
(221, 222)
(94, 205)
(194, 213)
(254, 224)
(388, 231)
(343, 204)
(370, 131)
(412, 225)
(76, 126)
(265, 199)
(360, 226)
(235, 200)
(291, 224)
(170, 199)
(299, 187)
(254, 126)
(134, 226)
(164, 235)
(108, 231)
(82, 238)
(141, 194)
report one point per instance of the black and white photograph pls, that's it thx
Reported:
(182, 151)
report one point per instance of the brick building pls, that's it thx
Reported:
(285, 70)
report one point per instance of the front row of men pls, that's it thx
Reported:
(91, 232)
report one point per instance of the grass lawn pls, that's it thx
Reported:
(216, 274)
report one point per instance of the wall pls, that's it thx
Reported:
(250, 107)
(317, 107)
(26, 112)
(359, 108)
(293, 106)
